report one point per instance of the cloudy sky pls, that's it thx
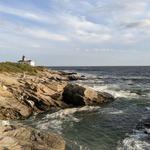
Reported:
(76, 32)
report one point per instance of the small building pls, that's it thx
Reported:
(25, 61)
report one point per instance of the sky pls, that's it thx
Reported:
(76, 32)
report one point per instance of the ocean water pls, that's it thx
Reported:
(112, 127)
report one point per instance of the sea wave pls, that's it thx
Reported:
(56, 120)
(125, 77)
(111, 111)
(137, 141)
(147, 108)
(116, 92)
(76, 145)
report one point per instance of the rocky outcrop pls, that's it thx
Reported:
(75, 95)
(26, 138)
(12, 107)
(22, 95)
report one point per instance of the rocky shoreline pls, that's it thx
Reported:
(23, 95)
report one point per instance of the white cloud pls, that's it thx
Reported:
(43, 34)
(139, 24)
(85, 30)
(30, 32)
(103, 22)
(23, 13)
(81, 23)
(92, 37)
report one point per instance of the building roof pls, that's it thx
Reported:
(25, 61)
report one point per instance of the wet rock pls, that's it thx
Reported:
(76, 95)
(144, 125)
(147, 123)
(68, 73)
(26, 138)
(76, 77)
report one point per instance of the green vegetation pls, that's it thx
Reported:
(18, 68)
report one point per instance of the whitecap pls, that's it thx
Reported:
(111, 111)
(147, 108)
(70, 111)
(136, 141)
(115, 91)
(148, 95)
(117, 112)
(134, 144)
(56, 120)
(52, 124)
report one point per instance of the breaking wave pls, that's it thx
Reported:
(116, 92)
(56, 120)
(137, 141)
(111, 111)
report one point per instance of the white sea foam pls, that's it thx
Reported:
(148, 95)
(116, 92)
(69, 111)
(77, 145)
(55, 120)
(117, 112)
(135, 142)
(147, 108)
(111, 111)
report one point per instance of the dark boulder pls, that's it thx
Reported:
(76, 95)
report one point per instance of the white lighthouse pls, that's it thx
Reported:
(25, 61)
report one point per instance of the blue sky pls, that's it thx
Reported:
(76, 32)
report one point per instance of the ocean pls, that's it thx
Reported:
(111, 127)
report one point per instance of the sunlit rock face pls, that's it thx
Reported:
(26, 138)
(77, 95)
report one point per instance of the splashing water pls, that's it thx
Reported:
(112, 126)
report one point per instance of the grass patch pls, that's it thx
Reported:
(10, 67)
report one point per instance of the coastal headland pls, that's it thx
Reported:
(27, 90)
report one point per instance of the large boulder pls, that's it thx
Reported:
(76, 95)
(26, 138)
